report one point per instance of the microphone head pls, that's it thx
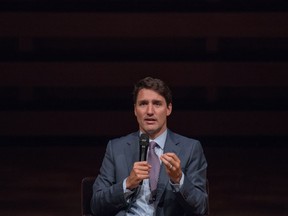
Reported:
(144, 139)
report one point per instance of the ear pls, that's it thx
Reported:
(135, 110)
(169, 109)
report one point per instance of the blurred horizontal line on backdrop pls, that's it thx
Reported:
(143, 6)
(124, 74)
(138, 25)
(113, 123)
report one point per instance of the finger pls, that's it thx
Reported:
(173, 156)
(168, 159)
(173, 159)
(141, 172)
(167, 163)
(142, 176)
(142, 168)
(164, 159)
(166, 156)
(143, 165)
(171, 167)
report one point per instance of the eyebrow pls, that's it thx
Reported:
(153, 101)
(157, 101)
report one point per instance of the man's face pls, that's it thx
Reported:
(151, 112)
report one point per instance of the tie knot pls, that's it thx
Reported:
(152, 145)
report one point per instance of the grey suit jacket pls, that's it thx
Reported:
(121, 153)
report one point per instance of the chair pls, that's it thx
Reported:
(208, 191)
(86, 194)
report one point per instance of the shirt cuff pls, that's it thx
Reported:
(176, 187)
(127, 192)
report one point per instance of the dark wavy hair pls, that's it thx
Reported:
(154, 84)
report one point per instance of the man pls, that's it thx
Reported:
(123, 186)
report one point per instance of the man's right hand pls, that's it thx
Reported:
(139, 172)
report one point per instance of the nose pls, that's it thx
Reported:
(150, 109)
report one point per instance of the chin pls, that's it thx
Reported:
(151, 131)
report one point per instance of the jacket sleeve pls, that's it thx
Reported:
(108, 196)
(193, 194)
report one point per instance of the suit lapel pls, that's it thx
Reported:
(132, 151)
(170, 146)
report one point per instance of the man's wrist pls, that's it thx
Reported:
(127, 192)
(177, 181)
(179, 184)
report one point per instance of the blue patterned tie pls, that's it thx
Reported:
(153, 160)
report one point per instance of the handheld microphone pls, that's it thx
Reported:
(144, 143)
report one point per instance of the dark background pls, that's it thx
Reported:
(67, 70)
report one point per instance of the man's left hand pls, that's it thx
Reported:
(173, 166)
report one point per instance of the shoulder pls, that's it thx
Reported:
(178, 138)
(189, 149)
(129, 138)
(185, 143)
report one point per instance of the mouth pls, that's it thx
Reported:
(150, 120)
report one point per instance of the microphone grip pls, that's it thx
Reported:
(143, 152)
(144, 143)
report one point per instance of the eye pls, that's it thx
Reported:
(158, 103)
(142, 103)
